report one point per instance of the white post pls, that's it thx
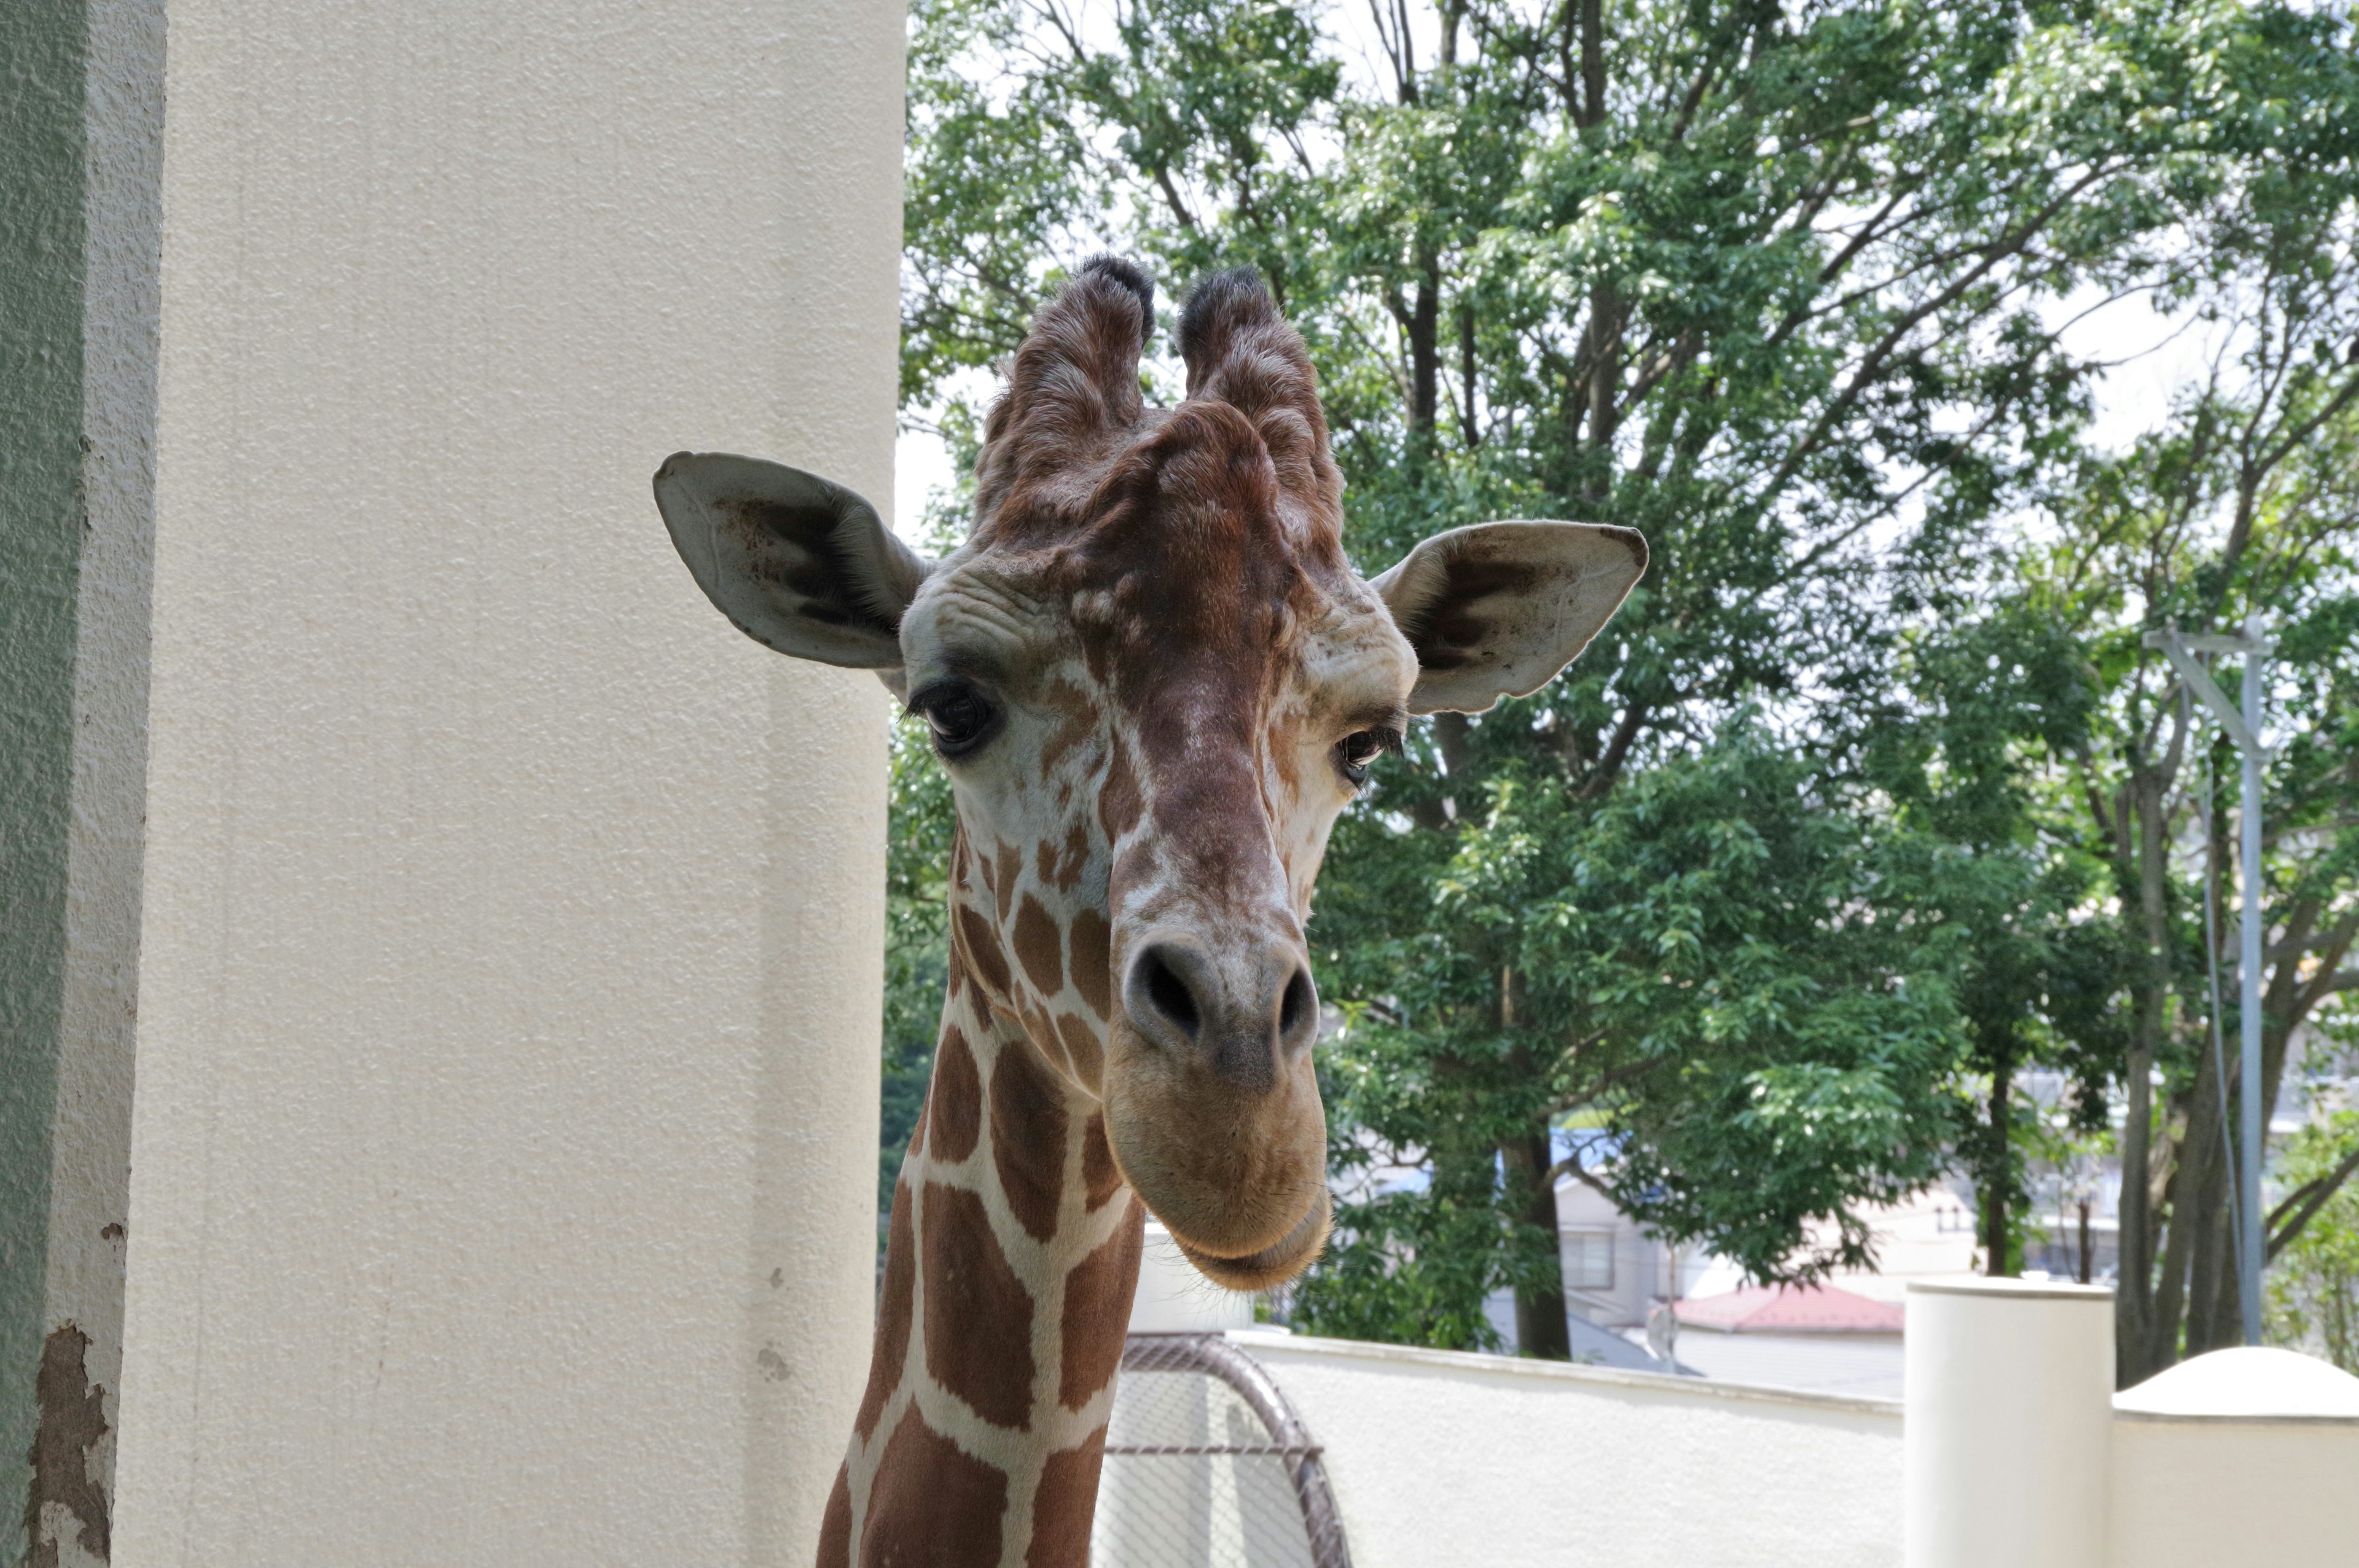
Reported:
(2007, 1450)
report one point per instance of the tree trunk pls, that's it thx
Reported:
(1601, 351)
(2185, 1287)
(2133, 1294)
(1466, 373)
(1540, 1328)
(1593, 63)
(2199, 1212)
(1424, 348)
(1996, 1174)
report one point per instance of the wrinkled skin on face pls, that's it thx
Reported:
(1156, 681)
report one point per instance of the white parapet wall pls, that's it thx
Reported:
(2016, 1453)
(1441, 1458)
(505, 1142)
(2020, 1453)
(2247, 1455)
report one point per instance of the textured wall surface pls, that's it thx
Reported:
(1437, 1457)
(2198, 1494)
(78, 140)
(90, 1154)
(40, 541)
(503, 1145)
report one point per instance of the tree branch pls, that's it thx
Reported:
(2288, 1220)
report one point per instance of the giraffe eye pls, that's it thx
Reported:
(961, 716)
(1355, 753)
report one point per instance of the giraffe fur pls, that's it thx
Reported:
(1156, 681)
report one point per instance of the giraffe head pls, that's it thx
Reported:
(1156, 682)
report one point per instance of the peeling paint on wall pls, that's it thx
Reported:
(68, 1496)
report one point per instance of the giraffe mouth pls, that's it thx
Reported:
(1274, 1264)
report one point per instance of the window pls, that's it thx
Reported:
(1589, 1259)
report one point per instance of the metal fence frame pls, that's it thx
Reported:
(1216, 1356)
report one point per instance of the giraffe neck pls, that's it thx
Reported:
(1009, 1267)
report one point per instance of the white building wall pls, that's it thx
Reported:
(1437, 1457)
(503, 1143)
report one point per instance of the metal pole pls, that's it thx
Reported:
(2244, 726)
(2255, 1220)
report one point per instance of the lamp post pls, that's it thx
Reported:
(2244, 727)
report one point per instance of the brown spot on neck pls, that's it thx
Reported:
(893, 1313)
(1006, 874)
(1092, 942)
(1098, 1291)
(1101, 1177)
(932, 1505)
(1082, 1048)
(835, 1524)
(978, 1314)
(1065, 1505)
(1118, 803)
(1027, 1140)
(1040, 948)
(978, 944)
(954, 1103)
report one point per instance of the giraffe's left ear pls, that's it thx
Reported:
(1497, 610)
(797, 562)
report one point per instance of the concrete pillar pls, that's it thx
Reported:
(505, 928)
(2007, 1443)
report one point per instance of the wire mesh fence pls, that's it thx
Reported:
(1208, 1466)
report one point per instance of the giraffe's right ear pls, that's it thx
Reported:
(797, 562)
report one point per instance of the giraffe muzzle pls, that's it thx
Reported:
(1211, 1106)
(1243, 1020)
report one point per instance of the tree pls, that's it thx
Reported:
(2144, 544)
(917, 944)
(2314, 1289)
(1775, 284)
(1729, 964)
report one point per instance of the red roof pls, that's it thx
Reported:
(1792, 1309)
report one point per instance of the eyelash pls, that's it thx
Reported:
(1367, 745)
(961, 717)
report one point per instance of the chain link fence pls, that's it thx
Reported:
(1208, 1466)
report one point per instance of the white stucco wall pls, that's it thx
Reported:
(2198, 1494)
(503, 1142)
(1437, 1457)
(2239, 1455)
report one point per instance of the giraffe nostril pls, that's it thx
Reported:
(1295, 1005)
(1170, 993)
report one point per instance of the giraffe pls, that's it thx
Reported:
(1155, 681)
